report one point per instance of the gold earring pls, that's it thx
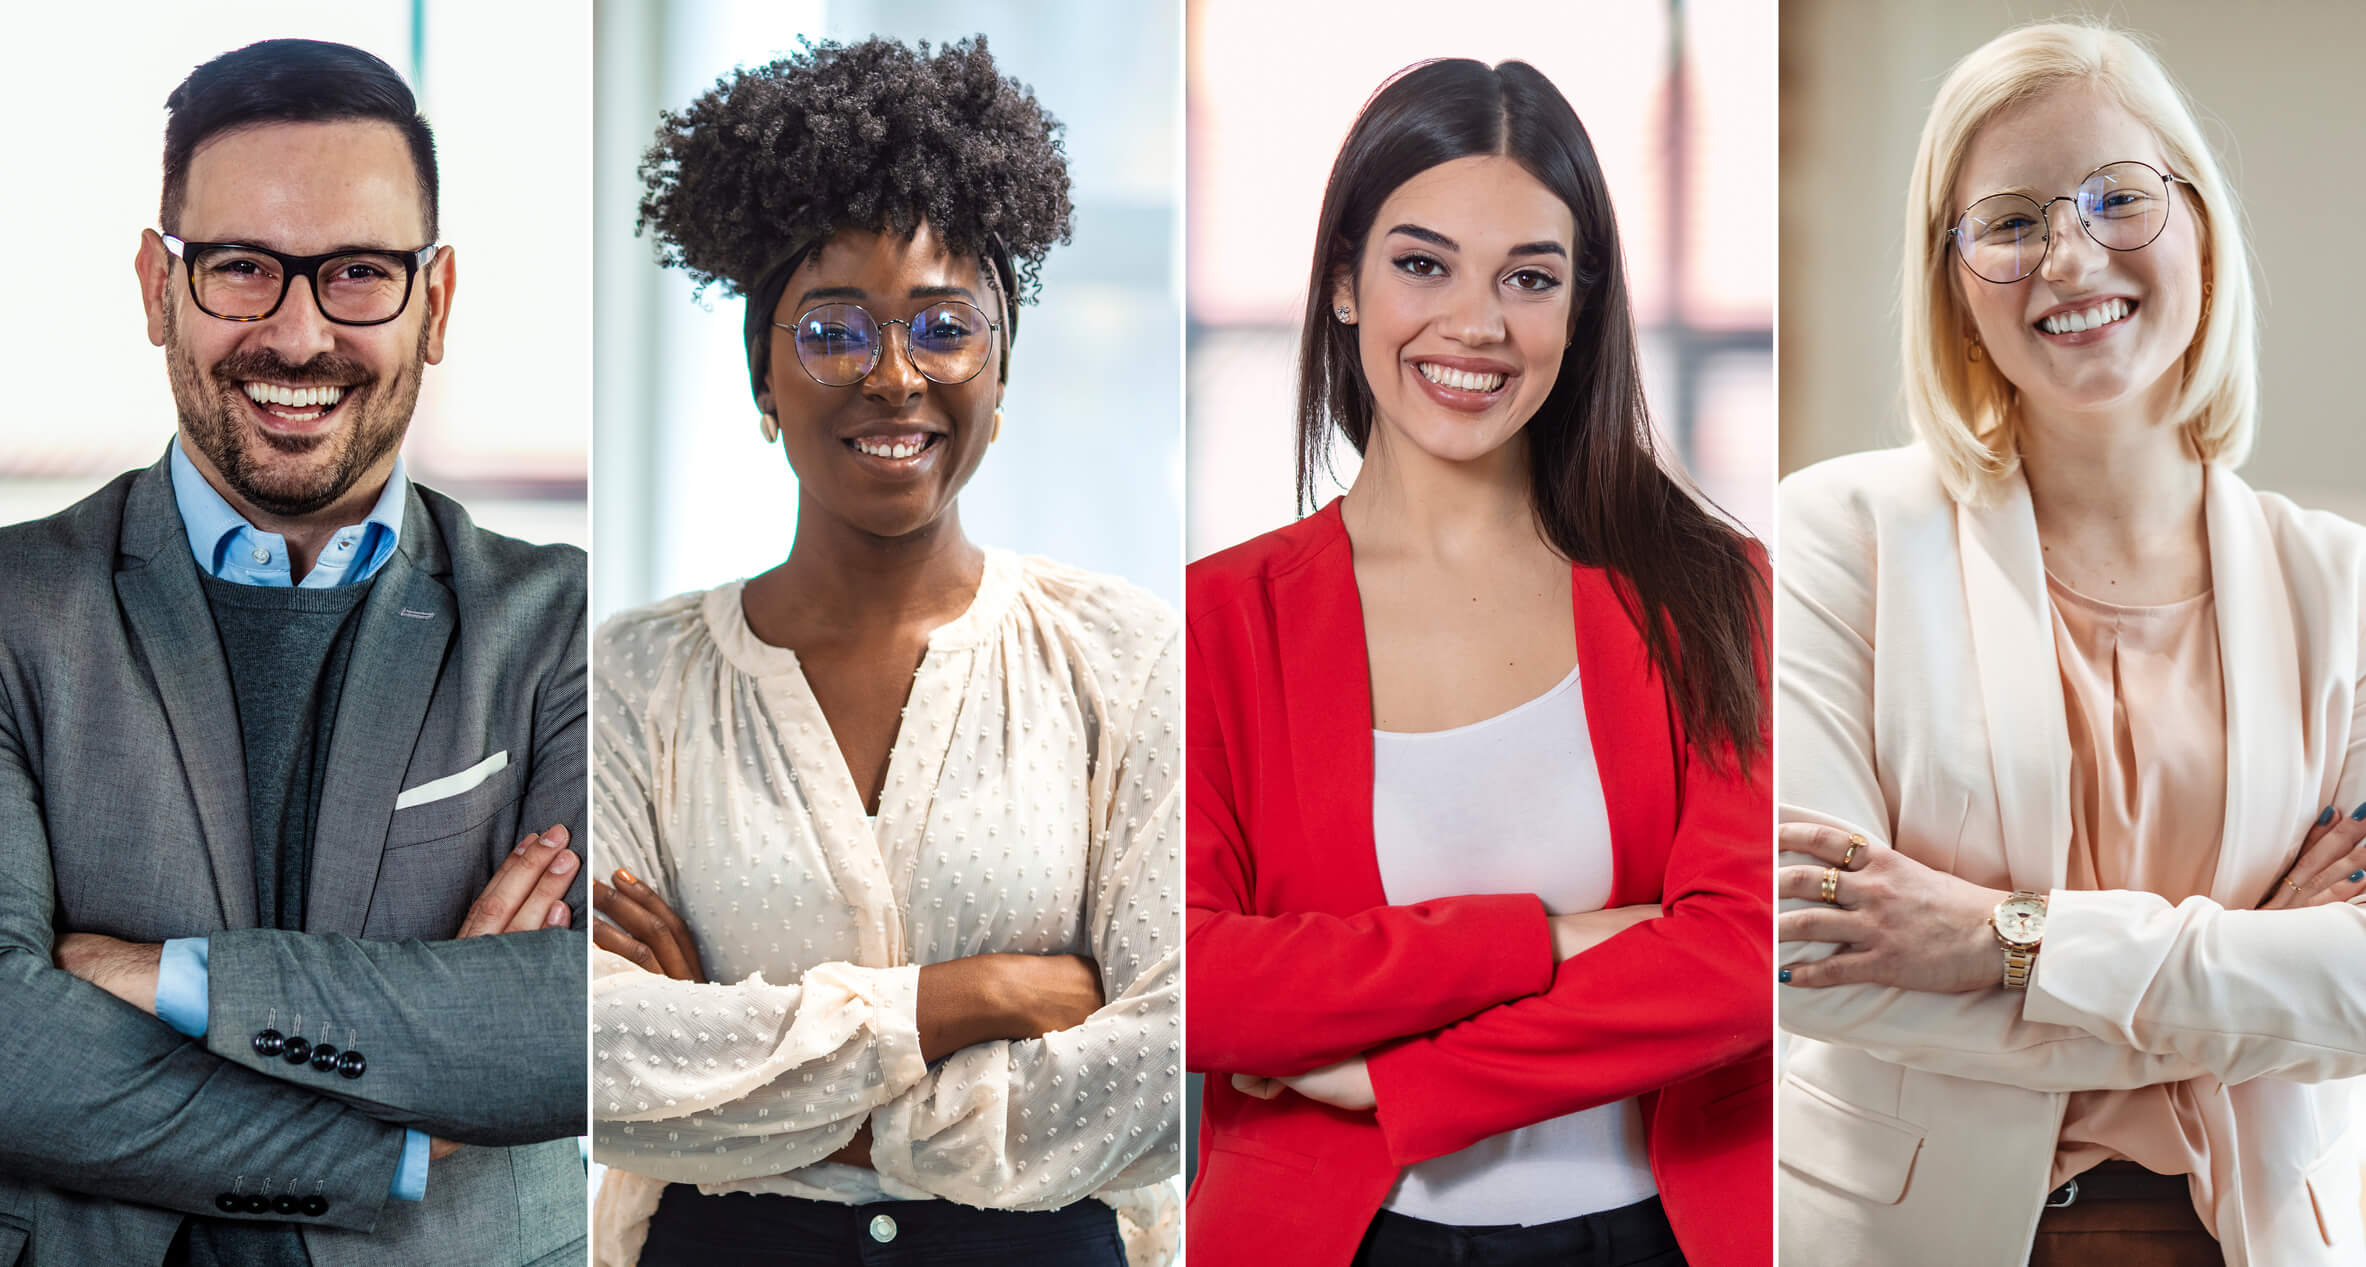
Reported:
(996, 433)
(1971, 351)
(769, 426)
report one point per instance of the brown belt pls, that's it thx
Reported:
(2119, 1181)
(2122, 1214)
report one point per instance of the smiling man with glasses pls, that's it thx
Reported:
(273, 719)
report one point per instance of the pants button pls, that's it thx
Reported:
(882, 1229)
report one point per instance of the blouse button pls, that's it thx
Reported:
(882, 1229)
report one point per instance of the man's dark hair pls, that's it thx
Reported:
(289, 81)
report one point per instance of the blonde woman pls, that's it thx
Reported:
(2072, 746)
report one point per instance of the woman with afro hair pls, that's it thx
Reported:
(892, 946)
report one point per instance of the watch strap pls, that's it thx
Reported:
(2019, 962)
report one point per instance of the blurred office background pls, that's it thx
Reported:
(2276, 87)
(1089, 469)
(1678, 97)
(501, 424)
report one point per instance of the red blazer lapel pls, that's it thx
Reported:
(1327, 695)
(1634, 745)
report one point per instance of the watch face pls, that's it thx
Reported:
(2021, 920)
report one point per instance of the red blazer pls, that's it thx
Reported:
(1295, 960)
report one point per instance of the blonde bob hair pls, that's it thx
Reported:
(1962, 409)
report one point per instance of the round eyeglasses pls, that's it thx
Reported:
(2122, 206)
(840, 344)
(237, 282)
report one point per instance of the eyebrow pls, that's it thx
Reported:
(350, 248)
(1435, 238)
(858, 293)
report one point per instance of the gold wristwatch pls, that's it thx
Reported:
(2020, 926)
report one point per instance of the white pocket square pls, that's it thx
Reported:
(454, 784)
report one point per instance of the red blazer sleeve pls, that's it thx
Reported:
(1280, 994)
(1664, 1001)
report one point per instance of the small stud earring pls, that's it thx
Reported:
(769, 426)
(996, 433)
(1346, 315)
(1972, 352)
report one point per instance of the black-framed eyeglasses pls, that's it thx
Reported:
(2123, 206)
(239, 282)
(840, 344)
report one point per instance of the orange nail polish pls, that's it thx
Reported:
(626, 876)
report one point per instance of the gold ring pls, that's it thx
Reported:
(2292, 883)
(1855, 842)
(1830, 892)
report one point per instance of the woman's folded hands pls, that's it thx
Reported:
(2331, 866)
(1347, 1084)
(1903, 924)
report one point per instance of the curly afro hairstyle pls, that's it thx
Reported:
(878, 136)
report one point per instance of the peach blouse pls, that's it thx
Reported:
(2145, 699)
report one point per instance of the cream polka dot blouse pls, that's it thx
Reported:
(1032, 804)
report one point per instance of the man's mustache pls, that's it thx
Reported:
(325, 370)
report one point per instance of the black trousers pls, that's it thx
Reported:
(691, 1229)
(1635, 1235)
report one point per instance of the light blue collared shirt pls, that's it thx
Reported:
(228, 548)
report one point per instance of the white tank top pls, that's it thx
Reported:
(1512, 804)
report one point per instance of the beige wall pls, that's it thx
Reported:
(2283, 98)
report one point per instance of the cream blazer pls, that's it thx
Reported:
(1920, 704)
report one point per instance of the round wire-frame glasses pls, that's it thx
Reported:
(839, 344)
(237, 281)
(2121, 206)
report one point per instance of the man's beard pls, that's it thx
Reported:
(210, 406)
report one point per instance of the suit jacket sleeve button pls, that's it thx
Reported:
(285, 1205)
(351, 1064)
(316, 1205)
(228, 1203)
(324, 1058)
(297, 1051)
(269, 1043)
(256, 1203)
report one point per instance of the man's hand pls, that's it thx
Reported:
(528, 890)
(125, 969)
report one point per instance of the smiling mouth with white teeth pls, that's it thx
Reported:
(895, 448)
(2083, 319)
(1460, 380)
(294, 404)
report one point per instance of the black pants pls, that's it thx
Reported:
(1630, 1236)
(748, 1230)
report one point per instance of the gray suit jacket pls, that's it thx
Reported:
(123, 811)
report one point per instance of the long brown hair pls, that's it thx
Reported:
(1694, 588)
